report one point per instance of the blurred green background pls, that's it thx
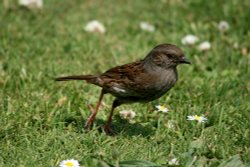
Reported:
(42, 120)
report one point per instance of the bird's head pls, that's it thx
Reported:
(166, 56)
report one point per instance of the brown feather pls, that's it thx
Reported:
(88, 78)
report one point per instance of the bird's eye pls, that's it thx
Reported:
(170, 56)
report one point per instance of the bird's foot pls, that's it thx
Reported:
(87, 127)
(109, 131)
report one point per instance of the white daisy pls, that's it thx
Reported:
(223, 26)
(69, 163)
(162, 108)
(31, 3)
(171, 124)
(200, 119)
(173, 161)
(95, 26)
(189, 40)
(204, 46)
(147, 27)
(127, 114)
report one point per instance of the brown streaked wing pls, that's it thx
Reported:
(126, 71)
(125, 77)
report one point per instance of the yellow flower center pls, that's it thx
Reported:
(69, 164)
(162, 108)
(196, 117)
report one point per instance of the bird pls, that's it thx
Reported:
(141, 81)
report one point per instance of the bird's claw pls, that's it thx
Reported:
(109, 131)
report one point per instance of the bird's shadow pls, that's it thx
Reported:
(118, 125)
(125, 128)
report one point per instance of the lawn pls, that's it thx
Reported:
(42, 120)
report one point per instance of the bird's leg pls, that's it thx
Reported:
(93, 112)
(107, 128)
(91, 108)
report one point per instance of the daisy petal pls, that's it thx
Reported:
(69, 163)
(161, 108)
(200, 119)
(95, 27)
(127, 114)
(147, 27)
(189, 40)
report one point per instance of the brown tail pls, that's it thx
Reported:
(88, 78)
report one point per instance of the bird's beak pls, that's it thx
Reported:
(184, 60)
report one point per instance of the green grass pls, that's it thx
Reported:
(36, 46)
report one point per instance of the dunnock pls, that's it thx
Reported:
(141, 81)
